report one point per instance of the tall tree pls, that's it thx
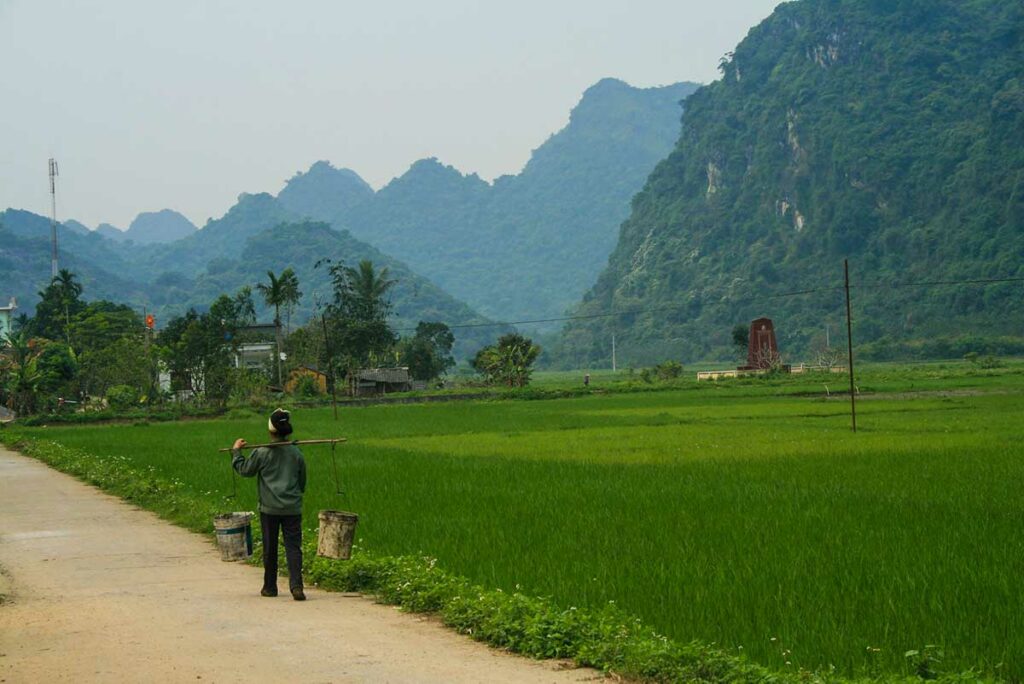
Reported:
(364, 291)
(358, 314)
(292, 295)
(70, 292)
(244, 308)
(275, 294)
(19, 368)
(428, 354)
(199, 349)
(58, 303)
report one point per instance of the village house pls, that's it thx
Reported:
(7, 317)
(257, 346)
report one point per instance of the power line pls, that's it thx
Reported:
(674, 307)
(932, 283)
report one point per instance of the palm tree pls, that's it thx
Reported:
(244, 305)
(21, 322)
(70, 290)
(23, 352)
(292, 295)
(368, 288)
(275, 294)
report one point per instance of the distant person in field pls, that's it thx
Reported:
(281, 478)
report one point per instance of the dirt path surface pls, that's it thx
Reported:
(99, 591)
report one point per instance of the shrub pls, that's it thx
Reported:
(990, 361)
(122, 397)
(248, 388)
(306, 387)
(668, 370)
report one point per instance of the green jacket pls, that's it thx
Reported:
(281, 473)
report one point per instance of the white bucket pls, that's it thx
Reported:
(337, 532)
(234, 535)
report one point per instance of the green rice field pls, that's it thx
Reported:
(744, 514)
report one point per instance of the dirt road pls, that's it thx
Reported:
(99, 591)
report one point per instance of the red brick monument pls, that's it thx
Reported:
(762, 349)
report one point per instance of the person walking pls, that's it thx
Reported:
(281, 482)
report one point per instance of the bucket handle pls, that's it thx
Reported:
(334, 462)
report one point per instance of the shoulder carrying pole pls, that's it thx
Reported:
(294, 442)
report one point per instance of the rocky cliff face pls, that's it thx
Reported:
(886, 133)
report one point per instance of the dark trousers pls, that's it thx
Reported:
(291, 527)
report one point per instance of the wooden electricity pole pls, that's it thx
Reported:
(330, 367)
(849, 343)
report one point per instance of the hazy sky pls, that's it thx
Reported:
(186, 104)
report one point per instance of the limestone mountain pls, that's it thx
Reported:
(527, 245)
(219, 239)
(883, 132)
(324, 192)
(111, 232)
(162, 226)
(76, 227)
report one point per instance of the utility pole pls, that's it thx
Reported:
(330, 366)
(849, 343)
(53, 217)
(613, 353)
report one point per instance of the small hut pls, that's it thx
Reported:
(376, 382)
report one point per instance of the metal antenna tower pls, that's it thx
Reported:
(53, 217)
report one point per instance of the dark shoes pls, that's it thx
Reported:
(297, 593)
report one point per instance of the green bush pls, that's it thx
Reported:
(668, 370)
(306, 387)
(122, 397)
(248, 388)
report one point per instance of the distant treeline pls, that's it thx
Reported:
(888, 349)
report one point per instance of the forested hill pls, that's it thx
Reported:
(236, 250)
(530, 244)
(100, 264)
(886, 132)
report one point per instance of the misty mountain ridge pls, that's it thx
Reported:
(529, 244)
(148, 228)
(520, 245)
(109, 231)
(324, 191)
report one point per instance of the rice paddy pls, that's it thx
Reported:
(747, 514)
